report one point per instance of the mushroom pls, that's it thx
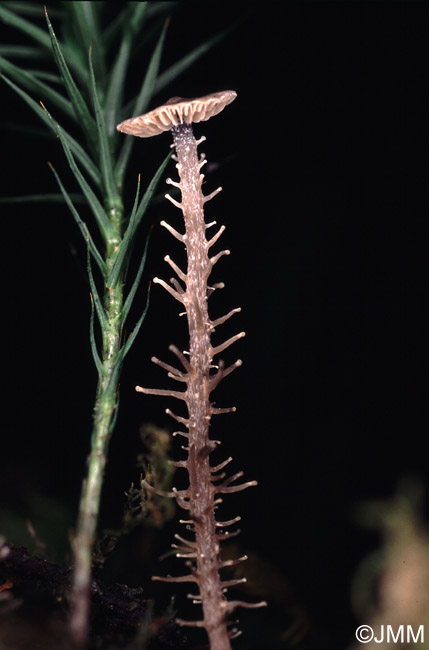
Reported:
(175, 111)
(200, 498)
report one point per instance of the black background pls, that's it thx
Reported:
(323, 160)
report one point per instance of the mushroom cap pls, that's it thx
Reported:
(176, 111)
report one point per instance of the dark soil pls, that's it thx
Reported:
(34, 608)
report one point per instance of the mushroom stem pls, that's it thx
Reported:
(201, 489)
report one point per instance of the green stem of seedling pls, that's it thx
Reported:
(104, 414)
(112, 312)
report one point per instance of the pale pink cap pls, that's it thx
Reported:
(176, 111)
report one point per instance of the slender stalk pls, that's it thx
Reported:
(104, 412)
(200, 498)
(201, 491)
